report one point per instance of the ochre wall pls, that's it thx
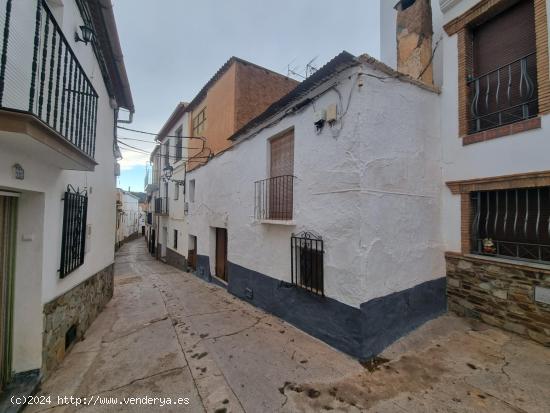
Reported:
(243, 92)
(256, 90)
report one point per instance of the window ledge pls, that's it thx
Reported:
(505, 130)
(277, 222)
(509, 262)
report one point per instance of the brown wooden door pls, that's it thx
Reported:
(192, 253)
(281, 181)
(221, 253)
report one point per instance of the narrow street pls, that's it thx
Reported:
(168, 334)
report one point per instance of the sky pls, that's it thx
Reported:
(173, 47)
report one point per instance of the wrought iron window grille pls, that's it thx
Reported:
(307, 253)
(512, 223)
(73, 241)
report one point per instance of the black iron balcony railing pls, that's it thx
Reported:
(505, 95)
(161, 205)
(40, 75)
(274, 198)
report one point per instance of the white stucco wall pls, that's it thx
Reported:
(45, 184)
(175, 221)
(371, 192)
(522, 152)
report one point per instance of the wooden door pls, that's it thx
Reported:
(221, 253)
(192, 253)
(280, 184)
(7, 266)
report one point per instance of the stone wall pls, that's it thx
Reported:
(78, 306)
(499, 293)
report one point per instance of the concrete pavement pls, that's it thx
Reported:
(167, 333)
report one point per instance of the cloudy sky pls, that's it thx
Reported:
(172, 47)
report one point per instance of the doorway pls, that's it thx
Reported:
(8, 219)
(152, 242)
(221, 253)
(192, 253)
(164, 242)
(281, 171)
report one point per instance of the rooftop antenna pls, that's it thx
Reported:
(293, 72)
(310, 69)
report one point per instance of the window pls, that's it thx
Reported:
(199, 123)
(307, 261)
(179, 145)
(175, 239)
(512, 223)
(167, 153)
(502, 77)
(192, 190)
(274, 196)
(75, 208)
(176, 191)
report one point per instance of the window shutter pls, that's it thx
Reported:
(282, 155)
(505, 38)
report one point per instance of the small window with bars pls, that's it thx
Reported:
(307, 261)
(512, 223)
(73, 241)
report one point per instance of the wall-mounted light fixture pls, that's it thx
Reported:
(87, 35)
(168, 173)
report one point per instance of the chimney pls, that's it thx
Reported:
(414, 39)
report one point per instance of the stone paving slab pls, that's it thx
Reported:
(167, 333)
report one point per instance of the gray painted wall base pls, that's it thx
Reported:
(325, 318)
(176, 260)
(388, 318)
(360, 332)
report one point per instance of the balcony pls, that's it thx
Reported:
(48, 106)
(505, 95)
(273, 199)
(161, 206)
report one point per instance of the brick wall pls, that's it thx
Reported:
(256, 90)
(499, 293)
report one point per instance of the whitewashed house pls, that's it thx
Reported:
(195, 131)
(62, 83)
(491, 60)
(128, 217)
(325, 211)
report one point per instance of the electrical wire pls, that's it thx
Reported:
(155, 143)
(202, 138)
(161, 156)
